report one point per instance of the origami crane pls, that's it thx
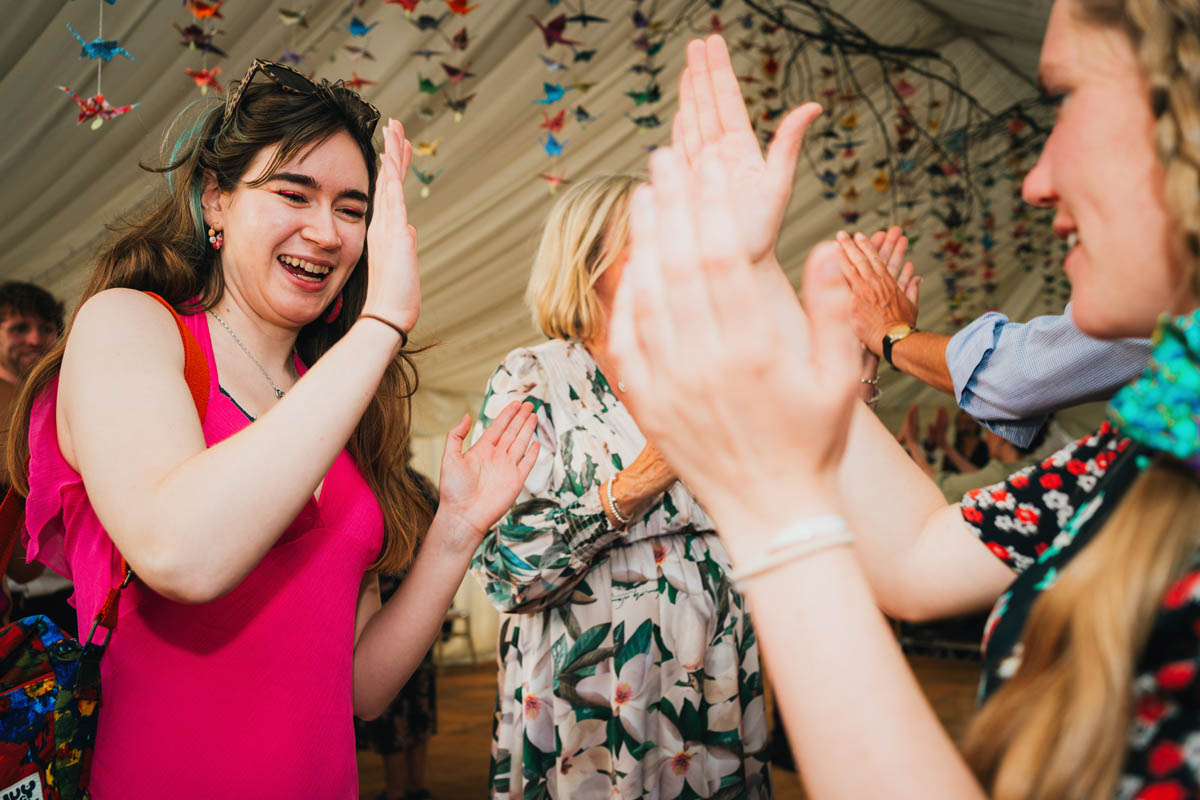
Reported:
(584, 55)
(554, 93)
(460, 40)
(359, 28)
(427, 149)
(647, 122)
(290, 57)
(104, 49)
(651, 94)
(428, 86)
(554, 181)
(459, 106)
(355, 52)
(196, 38)
(460, 7)
(426, 114)
(553, 30)
(583, 116)
(206, 79)
(202, 10)
(552, 64)
(97, 109)
(426, 178)
(554, 124)
(457, 74)
(409, 6)
(428, 22)
(427, 54)
(552, 146)
(357, 82)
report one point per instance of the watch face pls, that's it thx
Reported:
(898, 332)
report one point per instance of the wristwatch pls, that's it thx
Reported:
(893, 335)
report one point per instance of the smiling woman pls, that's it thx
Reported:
(256, 531)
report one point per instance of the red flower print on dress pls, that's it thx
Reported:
(999, 551)
(1076, 467)
(1051, 480)
(1027, 513)
(1176, 676)
(1018, 481)
(1182, 590)
(1162, 791)
(972, 514)
(1165, 758)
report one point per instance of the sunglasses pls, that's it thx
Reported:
(288, 79)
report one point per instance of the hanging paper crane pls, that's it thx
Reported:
(427, 54)
(196, 38)
(202, 10)
(554, 124)
(457, 74)
(356, 52)
(553, 181)
(206, 79)
(426, 178)
(583, 117)
(428, 86)
(104, 49)
(459, 106)
(554, 93)
(427, 149)
(428, 22)
(359, 28)
(651, 94)
(554, 30)
(552, 146)
(460, 7)
(356, 82)
(460, 40)
(409, 6)
(96, 108)
(297, 18)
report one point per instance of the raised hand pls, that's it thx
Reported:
(478, 486)
(751, 409)
(885, 293)
(712, 121)
(393, 283)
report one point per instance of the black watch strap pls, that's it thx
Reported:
(887, 351)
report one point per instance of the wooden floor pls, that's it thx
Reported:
(458, 754)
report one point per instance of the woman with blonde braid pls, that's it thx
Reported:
(1090, 560)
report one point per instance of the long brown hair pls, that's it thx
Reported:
(163, 249)
(1057, 730)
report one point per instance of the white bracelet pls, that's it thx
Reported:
(795, 541)
(612, 506)
(874, 401)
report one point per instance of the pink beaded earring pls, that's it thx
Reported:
(216, 238)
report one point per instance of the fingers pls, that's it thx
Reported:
(514, 427)
(528, 459)
(827, 299)
(784, 150)
(888, 247)
(727, 92)
(708, 120)
(685, 119)
(913, 290)
(894, 259)
(457, 435)
(520, 442)
(492, 433)
(855, 257)
(905, 277)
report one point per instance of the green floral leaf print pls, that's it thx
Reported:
(691, 726)
(567, 691)
(667, 709)
(571, 393)
(730, 740)
(616, 459)
(669, 508)
(664, 652)
(588, 642)
(512, 561)
(590, 659)
(570, 622)
(635, 645)
(599, 387)
(517, 533)
(667, 588)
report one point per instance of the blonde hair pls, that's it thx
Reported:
(1058, 728)
(585, 232)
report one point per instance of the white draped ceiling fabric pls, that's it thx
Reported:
(479, 226)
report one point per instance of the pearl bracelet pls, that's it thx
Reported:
(612, 506)
(797, 540)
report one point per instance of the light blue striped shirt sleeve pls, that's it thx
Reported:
(1011, 375)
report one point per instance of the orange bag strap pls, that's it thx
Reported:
(12, 509)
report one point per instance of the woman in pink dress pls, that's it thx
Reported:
(253, 630)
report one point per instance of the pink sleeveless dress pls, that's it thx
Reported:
(247, 696)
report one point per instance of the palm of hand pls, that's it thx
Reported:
(478, 486)
(758, 217)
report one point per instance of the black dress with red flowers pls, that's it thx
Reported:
(1036, 522)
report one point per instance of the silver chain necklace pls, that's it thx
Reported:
(278, 392)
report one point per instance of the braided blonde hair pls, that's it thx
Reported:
(1057, 730)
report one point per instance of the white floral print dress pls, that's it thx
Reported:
(628, 666)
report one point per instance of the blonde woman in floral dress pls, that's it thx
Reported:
(628, 666)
